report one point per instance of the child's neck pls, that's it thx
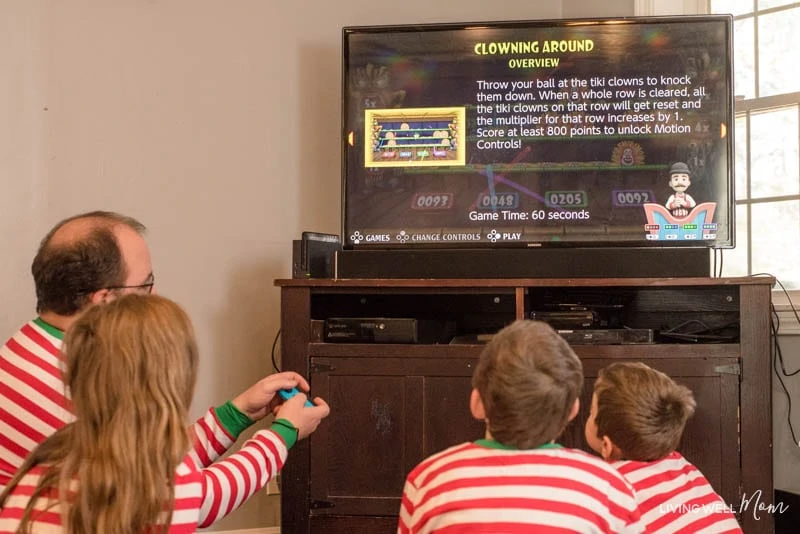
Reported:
(488, 437)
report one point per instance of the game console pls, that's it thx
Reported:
(387, 330)
(567, 320)
(609, 336)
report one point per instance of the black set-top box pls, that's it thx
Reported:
(387, 330)
(566, 319)
(609, 336)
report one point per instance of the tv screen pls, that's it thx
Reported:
(567, 133)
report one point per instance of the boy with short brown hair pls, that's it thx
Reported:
(517, 479)
(636, 422)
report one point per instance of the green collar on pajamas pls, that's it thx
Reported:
(492, 444)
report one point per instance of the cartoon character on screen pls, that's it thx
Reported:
(680, 202)
(680, 218)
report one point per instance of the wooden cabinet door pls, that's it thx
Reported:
(387, 414)
(711, 438)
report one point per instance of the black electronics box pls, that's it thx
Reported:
(566, 320)
(387, 330)
(610, 336)
(313, 256)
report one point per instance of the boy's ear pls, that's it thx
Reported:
(609, 451)
(476, 406)
(576, 407)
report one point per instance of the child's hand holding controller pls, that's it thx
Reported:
(296, 410)
(287, 394)
(263, 397)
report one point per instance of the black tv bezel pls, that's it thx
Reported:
(539, 23)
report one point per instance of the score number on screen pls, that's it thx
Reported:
(432, 201)
(490, 201)
(625, 198)
(565, 199)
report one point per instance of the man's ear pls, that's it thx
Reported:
(609, 451)
(101, 296)
(476, 406)
(576, 407)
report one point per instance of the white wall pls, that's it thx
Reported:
(23, 141)
(786, 449)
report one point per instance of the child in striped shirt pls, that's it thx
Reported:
(636, 421)
(126, 463)
(517, 479)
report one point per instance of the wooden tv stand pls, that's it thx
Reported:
(393, 404)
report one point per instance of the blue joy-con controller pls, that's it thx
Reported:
(287, 394)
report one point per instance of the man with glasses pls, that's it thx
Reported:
(85, 260)
(89, 259)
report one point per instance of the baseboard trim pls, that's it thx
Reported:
(266, 530)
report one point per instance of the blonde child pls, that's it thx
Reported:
(636, 421)
(124, 465)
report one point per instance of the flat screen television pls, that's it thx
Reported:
(547, 133)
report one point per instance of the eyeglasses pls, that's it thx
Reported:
(147, 287)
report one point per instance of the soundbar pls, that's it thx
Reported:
(524, 263)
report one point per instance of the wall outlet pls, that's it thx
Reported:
(274, 485)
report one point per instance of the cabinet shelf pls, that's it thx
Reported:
(637, 351)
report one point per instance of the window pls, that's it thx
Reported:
(767, 136)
